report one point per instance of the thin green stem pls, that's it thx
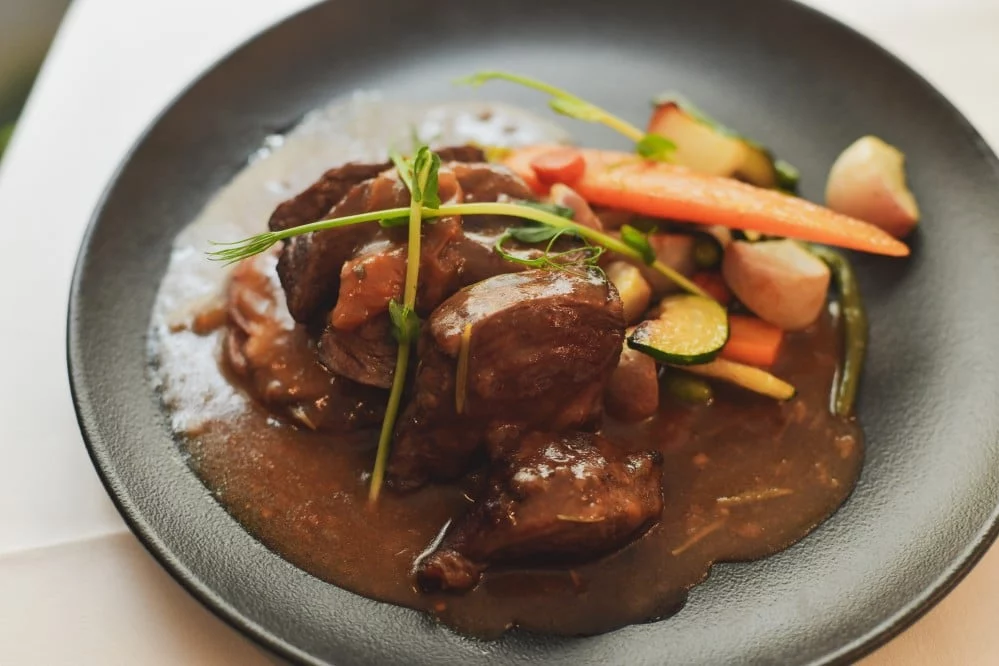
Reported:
(557, 222)
(258, 244)
(594, 113)
(413, 261)
(388, 424)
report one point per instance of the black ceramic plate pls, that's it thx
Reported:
(926, 505)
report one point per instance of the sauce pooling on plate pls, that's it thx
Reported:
(742, 477)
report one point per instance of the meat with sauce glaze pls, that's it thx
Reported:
(542, 345)
(551, 499)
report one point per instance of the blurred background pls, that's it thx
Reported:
(26, 31)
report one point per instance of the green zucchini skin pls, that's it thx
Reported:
(671, 344)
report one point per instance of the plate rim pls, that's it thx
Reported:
(89, 423)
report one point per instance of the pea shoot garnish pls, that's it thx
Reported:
(420, 176)
(650, 146)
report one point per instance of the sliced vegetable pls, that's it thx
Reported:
(752, 341)
(707, 146)
(689, 330)
(559, 165)
(780, 281)
(685, 388)
(854, 329)
(698, 145)
(632, 393)
(867, 181)
(622, 180)
(746, 376)
(634, 289)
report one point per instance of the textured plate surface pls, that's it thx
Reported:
(926, 505)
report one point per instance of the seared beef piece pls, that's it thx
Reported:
(357, 341)
(365, 354)
(376, 273)
(317, 200)
(542, 346)
(453, 252)
(551, 499)
(276, 361)
(310, 264)
(332, 186)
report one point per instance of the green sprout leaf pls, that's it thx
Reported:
(656, 147)
(639, 242)
(563, 101)
(581, 256)
(426, 165)
(405, 323)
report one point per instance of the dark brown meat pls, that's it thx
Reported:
(276, 361)
(453, 253)
(542, 346)
(483, 182)
(332, 186)
(365, 354)
(551, 499)
(310, 264)
(376, 273)
(317, 200)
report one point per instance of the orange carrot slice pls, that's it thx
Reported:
(626, 181)
(562, 165)
(752, 341)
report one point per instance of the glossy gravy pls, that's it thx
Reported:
(743, 477)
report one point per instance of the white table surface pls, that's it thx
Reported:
(75, 585)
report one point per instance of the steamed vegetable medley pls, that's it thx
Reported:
(715, 259)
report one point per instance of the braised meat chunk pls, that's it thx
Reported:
(540, 347)
(551, 499)
(365, 354)
(276, 361)
(310, 264)
(316, 201)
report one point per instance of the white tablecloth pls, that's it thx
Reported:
(75, 586)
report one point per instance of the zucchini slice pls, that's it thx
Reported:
(746, 376)
(689, 330)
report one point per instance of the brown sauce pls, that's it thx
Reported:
(743, 478)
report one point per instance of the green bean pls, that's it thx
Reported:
(854, 328)
(686, 388)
